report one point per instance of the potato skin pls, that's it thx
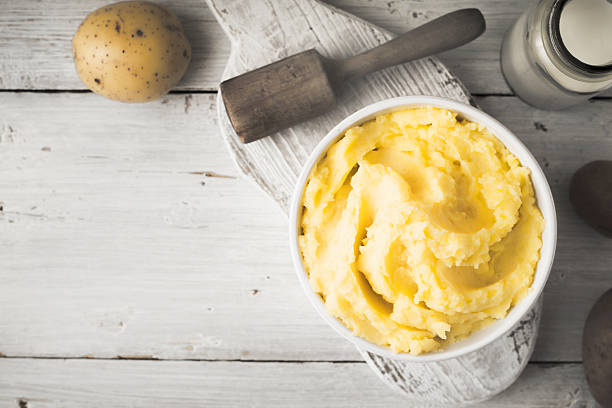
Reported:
(132, 51)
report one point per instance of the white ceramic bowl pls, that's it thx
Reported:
(544, 199)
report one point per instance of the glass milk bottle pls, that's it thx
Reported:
(559, 52)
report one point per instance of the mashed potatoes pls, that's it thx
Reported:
(419, 228)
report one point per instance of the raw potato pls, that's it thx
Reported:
(133, 51)
(597, 349)
(591, 195)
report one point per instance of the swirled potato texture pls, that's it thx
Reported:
(419, 228)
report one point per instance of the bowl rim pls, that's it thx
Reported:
(544, 201)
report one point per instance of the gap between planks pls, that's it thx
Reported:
(211, 360)
(205, 92)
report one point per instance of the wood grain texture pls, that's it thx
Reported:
(103, 222)
(134, 384)
(125, 231)
(36, 50)
(257, 101)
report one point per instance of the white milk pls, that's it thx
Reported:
(586, 30)
(535, 65)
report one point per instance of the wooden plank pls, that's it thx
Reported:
(36, 39)
(109, 245)
(115, 383)
(112, 246)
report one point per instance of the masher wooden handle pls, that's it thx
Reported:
(444, 33)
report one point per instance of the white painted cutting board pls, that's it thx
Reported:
(262, 32)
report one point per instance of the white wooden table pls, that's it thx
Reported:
(138, 269)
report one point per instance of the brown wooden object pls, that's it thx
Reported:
(303, 86)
